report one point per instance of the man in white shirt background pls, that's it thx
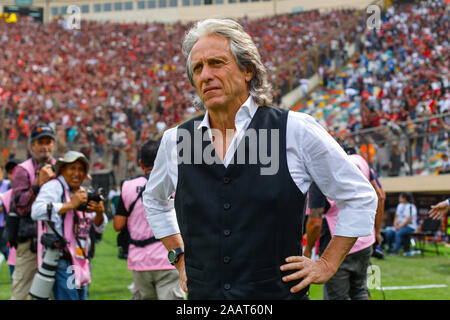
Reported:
(405, 222)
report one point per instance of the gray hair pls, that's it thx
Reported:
(243, 49)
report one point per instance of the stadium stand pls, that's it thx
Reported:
(116, 84)
(399, 78)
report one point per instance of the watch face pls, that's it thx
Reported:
(171, 256)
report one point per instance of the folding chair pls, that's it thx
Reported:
(429, 229)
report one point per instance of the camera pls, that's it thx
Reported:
(44, 279)
(93, 195)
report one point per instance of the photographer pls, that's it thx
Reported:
(153, 275)
(28, 177)
(59, 203)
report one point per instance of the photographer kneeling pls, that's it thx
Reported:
(61, 202)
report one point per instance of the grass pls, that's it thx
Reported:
(111, 277)
(409, 271)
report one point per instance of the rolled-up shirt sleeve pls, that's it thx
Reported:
(50, 192)
(101, 228)
(326, 163)
(159, 208)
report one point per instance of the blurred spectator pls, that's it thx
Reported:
(395, 162)
(445, 164)
(113, 198)
(405, 222)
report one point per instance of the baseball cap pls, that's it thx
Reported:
(42, 130)
(71, 157)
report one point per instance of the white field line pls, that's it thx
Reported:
(414, 287)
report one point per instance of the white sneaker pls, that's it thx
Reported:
(132, 288)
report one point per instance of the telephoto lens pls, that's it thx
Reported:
(45, 277)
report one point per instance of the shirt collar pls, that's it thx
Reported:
(247, 110)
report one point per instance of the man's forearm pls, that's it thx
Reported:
(172, 242)
(312, 233)
(313, 229)
(337, 250)
(380, 207)
(25, 199)
(379, 217)
(404, 224)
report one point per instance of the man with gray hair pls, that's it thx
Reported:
(234, 230)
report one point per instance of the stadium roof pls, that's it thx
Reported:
(432, 184)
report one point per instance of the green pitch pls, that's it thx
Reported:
(111, 277)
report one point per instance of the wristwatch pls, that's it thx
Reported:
(174, 255)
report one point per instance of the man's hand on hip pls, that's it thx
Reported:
(310, 271)
(318, 271)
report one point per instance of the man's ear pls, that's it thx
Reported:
(248, 74)
(141, 164)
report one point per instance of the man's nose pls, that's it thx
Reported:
(206, 74)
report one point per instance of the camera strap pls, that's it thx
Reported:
(130, 210)
(50, 223)
(145, 242)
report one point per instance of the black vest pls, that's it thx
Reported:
(238, 226)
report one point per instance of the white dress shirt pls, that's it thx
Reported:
(312, 155)
(51, 192)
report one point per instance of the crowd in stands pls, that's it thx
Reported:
(100, 85)
(110, 86)
(399, 78)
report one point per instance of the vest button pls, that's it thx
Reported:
(226, 259)
(227, 286)
(227, 232)
(226, 180)
(227, 206)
